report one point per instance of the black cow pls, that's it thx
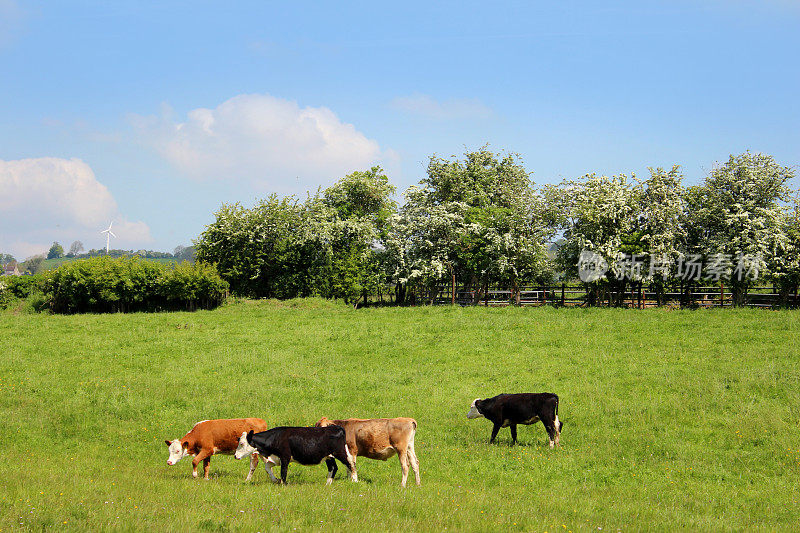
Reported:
(508, 410)
(307, 446)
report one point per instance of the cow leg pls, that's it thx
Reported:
(558, 425)
(205, 457)
(331, 462)
(268, 467)
(253, 465)
(551, 432)
(495, 429)
(206, 467)
(284, 469)
(513, 434)
(402, 455)
(349, 461)
(412, 455)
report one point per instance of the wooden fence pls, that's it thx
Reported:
(641, 297)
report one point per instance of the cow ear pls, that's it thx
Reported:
(168, 443)
(186, 445)
(250, 436)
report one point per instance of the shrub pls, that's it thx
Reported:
(23, 286)
(128, 284)
(37, 302)
(5, 295)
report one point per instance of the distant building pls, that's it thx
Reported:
(10, 269)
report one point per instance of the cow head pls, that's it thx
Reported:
(323, 423)
(475, 409)
(177, 451)
(244, 448)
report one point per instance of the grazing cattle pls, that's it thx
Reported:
(508, 410)
(307, 446)
(213, 436)
(381, 438)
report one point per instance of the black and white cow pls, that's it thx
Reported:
(508, 410)
(304, 445)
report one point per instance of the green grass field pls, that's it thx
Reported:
(682, 420)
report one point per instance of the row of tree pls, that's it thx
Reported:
(480, 220)
(35, 264)
(181, 253)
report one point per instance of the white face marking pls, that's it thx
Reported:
(243, 449)
(176, 452)
(473, 411)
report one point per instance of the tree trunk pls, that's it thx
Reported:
(400, 293)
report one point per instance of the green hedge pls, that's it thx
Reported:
(129, 284)
(15, 288)
(22, 286)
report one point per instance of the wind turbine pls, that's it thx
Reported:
(109, 234)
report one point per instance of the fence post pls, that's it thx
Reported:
(486, 296)
(640, 295)
(721, 294)
(544, 294)
(453, 289)
(563, 285)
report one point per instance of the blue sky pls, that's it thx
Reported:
(152, 114)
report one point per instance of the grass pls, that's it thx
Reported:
(681, 420)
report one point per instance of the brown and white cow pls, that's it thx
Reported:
(381, 438)
(213, 436)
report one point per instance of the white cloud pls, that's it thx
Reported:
(264, 139)
(52, 199)
(453, 109)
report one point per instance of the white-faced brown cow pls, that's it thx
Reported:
(508, 410)
(209, 437)
(381, 438)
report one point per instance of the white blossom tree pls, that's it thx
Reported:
(474, 220)
(741, 210)
(662, 204)
(598, 214)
